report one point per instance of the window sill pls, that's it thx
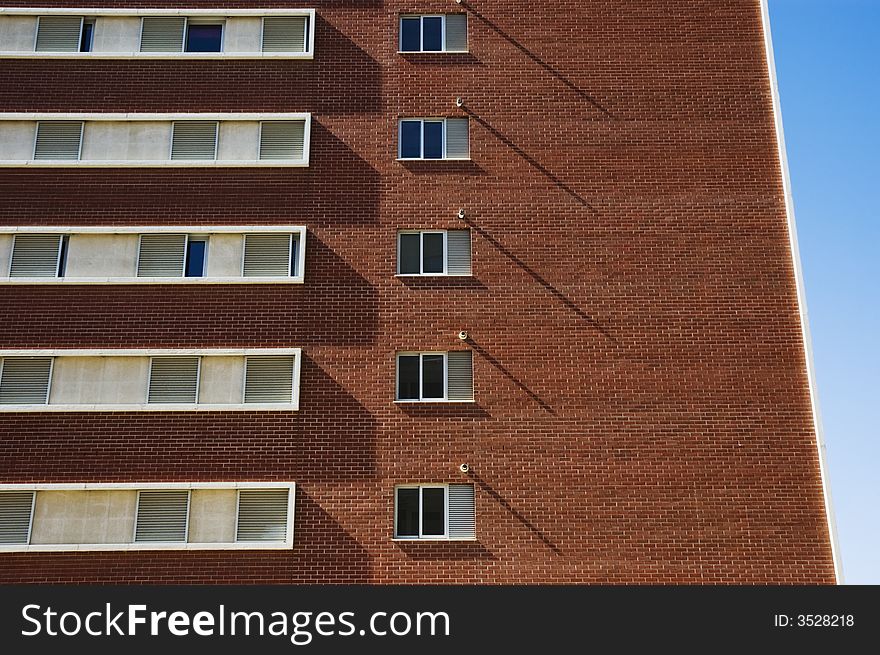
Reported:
(438, 401)
(151, 280)
(152, 163)
(44, 548)
(418, 275)
(418, 159)
(433, 52)
(153, 407)
(15, 54)
(434, 540)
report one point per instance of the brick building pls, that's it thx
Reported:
(271, 275)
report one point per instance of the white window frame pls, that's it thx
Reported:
(421, 398)
(286, 544)
(5, 354)
(145, 406)
(137, 508)
(205, 20)
(422, 537)
(422, 272)
(47, 13)
(61, 238)
(198, 380)
(94, 118)
(216, 143)
(244, 383)
(216, 14)
(421, 49)
(297, 232)
(289, 257)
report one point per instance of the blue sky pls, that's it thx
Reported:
(829, 79)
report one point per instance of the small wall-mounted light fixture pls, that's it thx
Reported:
(464, 468)
(463, 335)
(459, 101)
(458, 2)
(461, 214)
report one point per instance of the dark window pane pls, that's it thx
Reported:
(409, 253)
(294, 269)
(62, 259)
(432, 34)
(433, 140)
(407, 512)
(195, 258)
(433, 253)
(410, 139)
(85, 42)
(408, 377)
(410, 29)
(433, 512)
(432, 376)
(204, 38)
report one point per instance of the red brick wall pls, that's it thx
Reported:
(642, 410)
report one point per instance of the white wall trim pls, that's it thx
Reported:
(147, 352)
(69, 281)
(137, 116)
(149, 229)
(149, 486)
(106, 11)
(801, 292)
(18, 54)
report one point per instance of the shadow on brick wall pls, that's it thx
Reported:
(486, 488)
(338, 187)
(330, 439)
(341, 79)
(550, 70)
(444, 551)
(323, 552)
(467, 168)
(335, 306)
(510, 376)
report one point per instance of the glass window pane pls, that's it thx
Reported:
(407, 512)
(410, 139)
(432, 376)
(408, 377)
(433, 140)
(410, 32)
(433, 512)
(433, 252)
(432, 34)
(409, 253)
(204, 38)
(85, 42)
(294, 265)
(195, 258)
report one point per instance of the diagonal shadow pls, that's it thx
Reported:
(540, 62)
(510, 376)
(540, 280)
(532, 161)
(485, 486)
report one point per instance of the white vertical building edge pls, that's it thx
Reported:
(801, 293)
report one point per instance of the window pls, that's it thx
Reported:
(162, 34)
(174, 380)
(204, 37)
(16, 512)
(444, 252)
(434, 511)
(38, 255)
(59, 34)
(25, 380)
(435, 376)
(58, 140)
(172, 255)
(88, 36)
(262, 515)
(162, 516)
(270, 255)
(196, 252)
(269, 379)
(444, 33)
(285, 34)
(282, 140)
(194, 140)
(434, 138)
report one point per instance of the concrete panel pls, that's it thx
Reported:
(225, 253)
(18, 33)
(117, 34)
(129, 141)
(84, 517)
(101, 255)
(221, 380)
(239, 140)
(17, 139)
(5, 254)
(100, 380)
(243, 34)
(212, 515)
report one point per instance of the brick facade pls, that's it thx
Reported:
(642, 407)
